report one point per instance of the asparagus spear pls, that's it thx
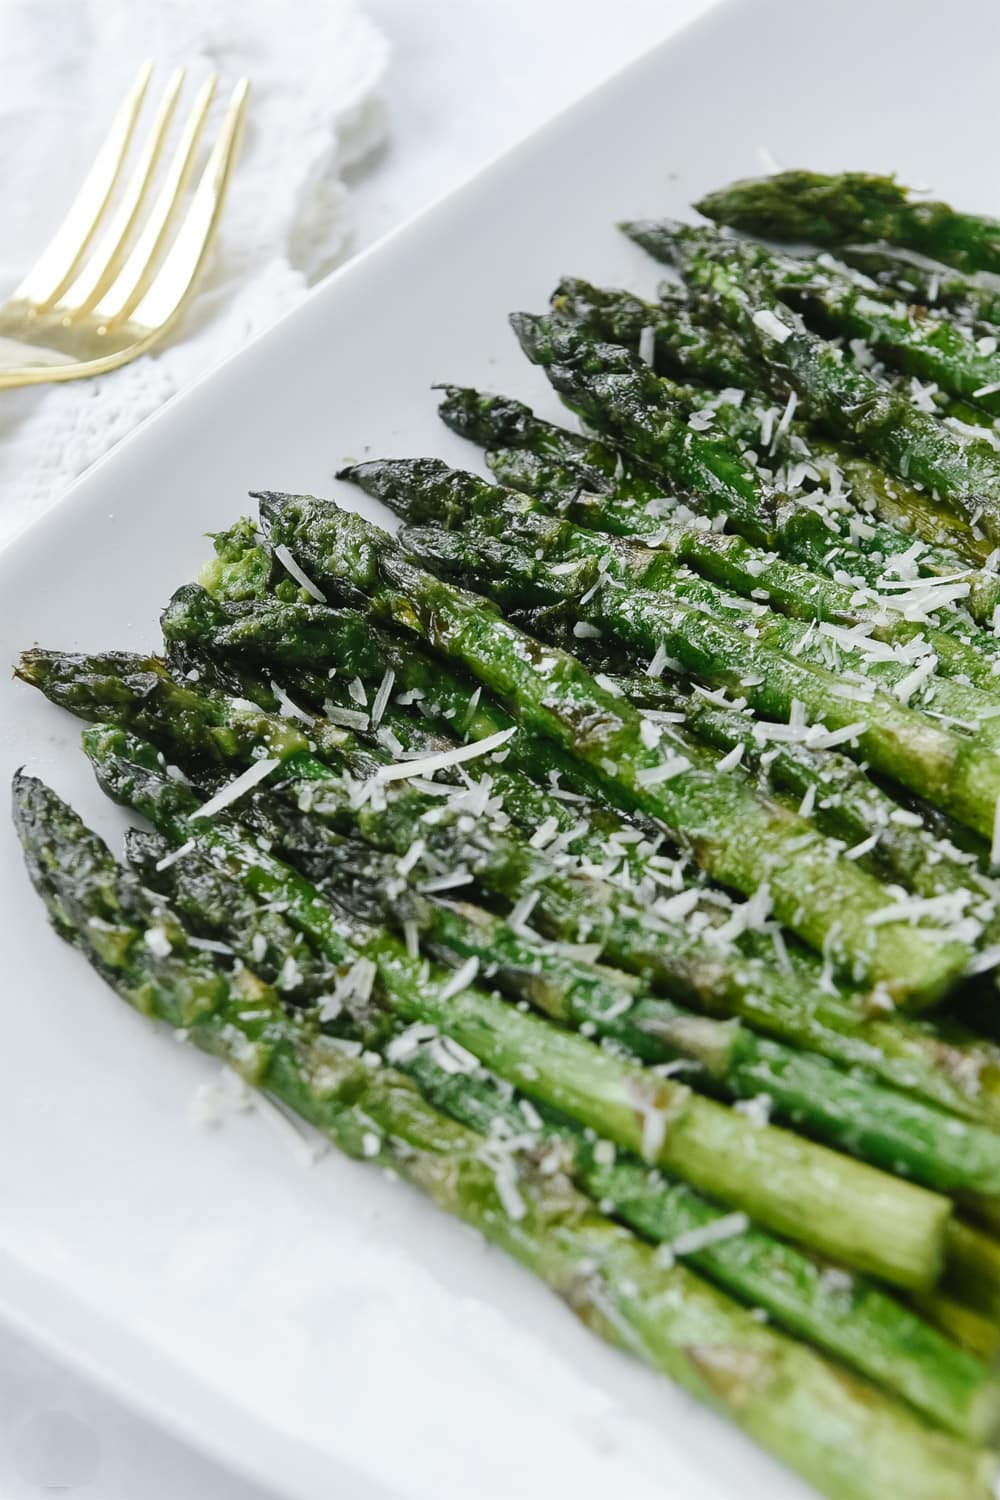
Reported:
(639, 411)
(833, 210)
(681, 342)
(508, 866)
(840, 1313)
(685, 338)
(824, 535)
(850, 404)
(846, 803)
(973, 1272)
(702, 1141)
(930, 282)
(849, 1112)
(965, 1326)
(732, 834)
(569, 358)
(427, 490)
(951, 1069)
(849, 807)
(214, 907)
(787, 1398)
(625, 597)
(913, 339)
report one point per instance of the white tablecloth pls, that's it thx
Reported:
(339, 155)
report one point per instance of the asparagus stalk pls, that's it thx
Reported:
(964, 472)
(825, 536)
(847, 1111)
(849, 804)
(660, 1118)
(630, 600)
(734, 836)
(845, 303)
(846, 803)
(840, 1313)
(507, 866)
(951, 1069)
(649, 417)
(568, 357)
(971, 1330)
(215, 908)
(684, 340)
(834, 210)
(844, 1110)
(680, 341)
(786, 1397)
(427, 490)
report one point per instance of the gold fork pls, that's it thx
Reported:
(112, 280)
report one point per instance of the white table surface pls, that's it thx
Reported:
(469, 78)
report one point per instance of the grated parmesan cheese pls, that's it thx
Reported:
(461, 979)
(250, 778)
(288, 562)
(770, 324)
(427, 765)
(726, 1227)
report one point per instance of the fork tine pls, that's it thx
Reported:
(180, 265)
(132, 280)
(102, 264)
(52, 270)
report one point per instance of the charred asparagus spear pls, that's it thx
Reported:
(962, 471)
(834, 210)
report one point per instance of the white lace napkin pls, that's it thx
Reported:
(315, 68)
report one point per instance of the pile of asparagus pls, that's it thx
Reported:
(613, 852)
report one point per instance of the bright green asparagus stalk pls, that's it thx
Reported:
(762, 1170)
(636, 594)
(425, 490)
(834, 210)
(851, 804)
(849, 403)
(843, 1315)
(844, 1437)
(952, 1069)
(845, 802)
(734, 836)
(846, 1111)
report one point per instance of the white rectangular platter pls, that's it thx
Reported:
(321, 1328)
